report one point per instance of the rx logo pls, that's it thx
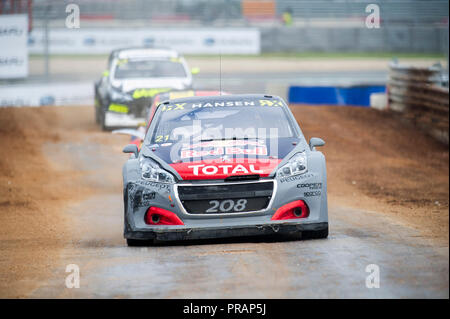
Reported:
(269, 103)
(178, 106)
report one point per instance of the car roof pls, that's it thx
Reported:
(224, 98)
(144, 52)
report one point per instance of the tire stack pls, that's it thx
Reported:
(421, 95)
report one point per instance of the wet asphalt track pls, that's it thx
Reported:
(410, 266)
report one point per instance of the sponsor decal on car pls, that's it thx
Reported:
(161, 138)
(297, 177)
(224, 143)
(173, 107)
(142, 197)
(140, 93)
(262, 150)
(119, 108)
(310, 185)
(224, 104)
(201, 170)
(153, 185)
(310, 194)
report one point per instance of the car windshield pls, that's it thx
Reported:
(220, 121)
(126, 69)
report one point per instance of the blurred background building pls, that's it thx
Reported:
(274, 45)
(314, 25)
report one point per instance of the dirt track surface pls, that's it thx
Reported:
(61, 203)
(376, 161)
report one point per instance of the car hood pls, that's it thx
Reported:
(129, 85)
(223, 158)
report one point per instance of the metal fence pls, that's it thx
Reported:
(230, 12)
(392, 11)
(317, 25)
(408, 39)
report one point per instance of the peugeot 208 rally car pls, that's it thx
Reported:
(222, 166)
(134, 76)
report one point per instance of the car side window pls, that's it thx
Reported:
(151, 114)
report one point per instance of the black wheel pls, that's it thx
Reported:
(134, 242)
(97, 115)
(138, 242)
(96, 107)
(315, 234)
(102, 120)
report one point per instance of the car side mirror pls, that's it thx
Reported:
(315, 141)
(195, 71)
(131, 148)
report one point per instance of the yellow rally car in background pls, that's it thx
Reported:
(134, 76)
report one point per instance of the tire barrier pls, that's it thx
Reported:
(419, 95)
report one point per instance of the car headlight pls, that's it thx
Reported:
(295, 166)
(120, 96)
(150, 170)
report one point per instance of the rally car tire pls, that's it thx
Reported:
(102, 120)
(96, 108)
(138, 243)
(97, 117)
(97, 114)
(315, 234)
(97, 105)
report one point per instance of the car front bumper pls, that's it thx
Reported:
(183, 233)
(139, 197)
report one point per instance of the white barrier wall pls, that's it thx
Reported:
(13, 46)
(192, 41)
(58, 94)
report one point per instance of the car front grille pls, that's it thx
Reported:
(203, 199)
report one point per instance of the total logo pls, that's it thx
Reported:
(199, 170)
(224, 169)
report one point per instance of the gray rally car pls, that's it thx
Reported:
(224, 166)
(134, 76)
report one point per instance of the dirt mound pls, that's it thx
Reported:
(377, 162)
(32, 195)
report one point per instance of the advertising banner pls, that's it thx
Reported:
(55, 94)
(193, 41)
(13, 46)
